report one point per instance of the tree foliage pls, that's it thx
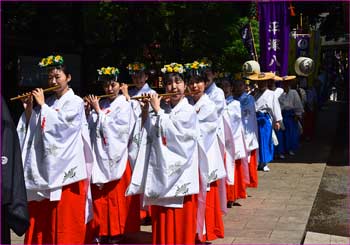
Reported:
(155, 32)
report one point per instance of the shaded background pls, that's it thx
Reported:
(94, 34)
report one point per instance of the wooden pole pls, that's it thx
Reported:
(251, 33)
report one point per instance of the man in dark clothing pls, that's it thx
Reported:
(14, 210)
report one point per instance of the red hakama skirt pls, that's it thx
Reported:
(253, 169)
(114, 213)
(175, 225)
(59, 222)
(214, 224)
(238, 190)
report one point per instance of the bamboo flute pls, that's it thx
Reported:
(30, 93)
(162, 95)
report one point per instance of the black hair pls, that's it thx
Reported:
(60, 67)
(107, 78)
(197, 75)
(169, 76)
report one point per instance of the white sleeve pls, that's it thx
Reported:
(276, 109)
(115, 129)
(64, 122)
(208, 123)
(173, 147)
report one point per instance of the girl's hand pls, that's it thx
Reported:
(125, 91)
(38, 94)
(155, 102)
(144, 103)
(27, 102)
(166, 99)
(94, 102)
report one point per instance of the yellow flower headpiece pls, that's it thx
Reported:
(136, 67)
(173, 68)
(196, 67)
(52, 60)
(108, 72)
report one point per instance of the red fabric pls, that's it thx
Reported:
(175, 225)
(213, 216)
(230, 193)
(145, 211)
(238, 190)
(253, 170)
(114, 213)
(59, 222)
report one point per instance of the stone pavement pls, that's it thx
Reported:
(277, 212)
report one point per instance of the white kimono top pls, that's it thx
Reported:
(144, 90)
(211, 164)
(225, 142)
(249, 121)
(216, 95)
(268, 103)
(291, 101)
(136, 123)
(233, 115)
(278, 91)
(166, 167)
(55, 146)
(109, 132)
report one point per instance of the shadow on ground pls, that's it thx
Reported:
(141, 237)
(330, 213)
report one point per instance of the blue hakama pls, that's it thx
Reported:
(266, 147)
(288, 139)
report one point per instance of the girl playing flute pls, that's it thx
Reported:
(167, 170)
(109, 123)
(138, 73)
(57, 160)
(211, 165)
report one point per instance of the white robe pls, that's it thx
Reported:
(267, 102)
(233, 116)
(211, 164)
(109, 132)
(166, 167)
(216, 95)
(291, 101)
(249, 121)
(56, 148)
(278, 91)
(136, 123)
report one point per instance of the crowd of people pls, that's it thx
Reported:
(96, 167)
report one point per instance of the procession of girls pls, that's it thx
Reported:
(94, 166)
